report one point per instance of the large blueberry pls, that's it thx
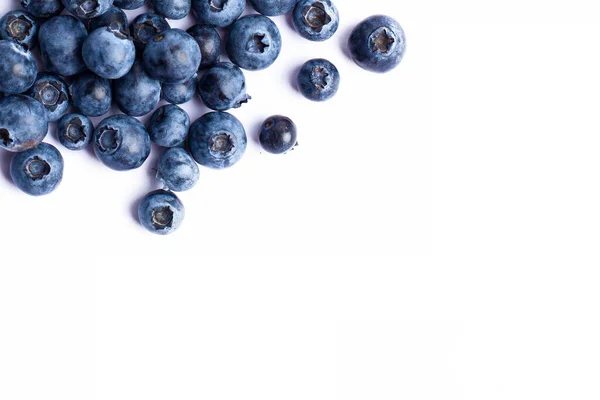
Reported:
(75, 131)
(220, 13)
(217, 140)
(161, 212)
(61, 39)
(23, 123)
(109, 52)
(318, 80)
(129, 4)
(273, 7)
(278, 134)
(121, 142)
(136, 93)
(21, 27)
(169, 126)
(37, 171)
(114, 15)
(43, 8)
(172, 56)
(254, 42)
(209, 41)
(172, 9)
(223, 87)
(377, 44)
(17, 68)
(84, 9)
(179, 93)
(53, 93)
(91, 94)
(316, 20)
(177, 170)
(145, 27)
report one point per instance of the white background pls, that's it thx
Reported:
(434, 236)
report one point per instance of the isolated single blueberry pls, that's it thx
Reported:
(84, 9)
(220, 13)
(172, 56)
(273, 7)
(217, 140)
(109, 52)
(316, 20)
(177, 170)
(209, 41)
(377, 44)
(121, 142)
(53, 93)
(21, 27)
(37, 171)
(17, 68)
(113, 15)
(23, 123)
(223, 87)
(254, 42)
(278, 134)
(172, 9)
(179, 93)
(161, 212)
(129, 4)
(318, 80)
(136, 93)
(169, 126)
(43, 8)
(91, 94)
(75, 131)
(61, 39)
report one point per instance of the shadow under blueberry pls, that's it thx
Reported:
(343, 37)
(293, 79)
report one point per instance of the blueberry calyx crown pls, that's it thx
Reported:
(49, 94)
(5, 137)
(315, 16)
(217, 5)
(37, 168)
(162, 218)
(18, 28)
(382, 40)
(319, 77)
(74, 131)
(258, 43)
(86, 7)
(221, 143)
(108, 140)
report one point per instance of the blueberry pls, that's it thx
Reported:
(173, 9)
(318, 80)
(172, 56)
(61, 39)
(43, 8)
(37, 171)
(129, 4)
(113, 15)
(273, 7)
(217, 140)
(220, 13)
(161, 212)
(109, 52)
(377, 44)
(52, 92)
(179, 93)
(316, 20)
(91, 94)
(21, 27)
(75, 131)
(278, 134)
(136, 93)
(254, 42)
(145, 27)
(169, 126)
(17, 69)
(223, 87)
(121, 142)
(209, 41)
(177, 170)
(23, 123)
(84, 9)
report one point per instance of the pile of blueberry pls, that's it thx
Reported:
(93, 58)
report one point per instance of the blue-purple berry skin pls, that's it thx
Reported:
(169, 126)
(75, 131)
(318, 80)
(278, 134)
(23, 123)
(37, 171)
(316, 20)
(177, 170)
(161, 212)
(121, 142)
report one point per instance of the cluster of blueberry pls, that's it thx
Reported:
(94, 57)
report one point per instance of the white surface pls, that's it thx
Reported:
(488, 133)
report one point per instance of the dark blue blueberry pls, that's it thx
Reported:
(61, 39)
(169, 126)
(23, 123)
(318, 80)
(217, 140)
(378, 44)
(37, 171)
(219, 13)
(177, 170)
(161, 212)
(209, 41)
(43, 8)
(91, 94)
(278, 134)
(179, 93)
(121, 142)
(172, 56)
(254, 42)
(273, 7)
(109, 52)
(84, 9)
(17, 68)
(223, 87)
(112, 16)
(316, 20)
(75, 131)
(136, 93)
(129, 4)
(53, 93)
(145, 27)
(172, 9)
(21, 27)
